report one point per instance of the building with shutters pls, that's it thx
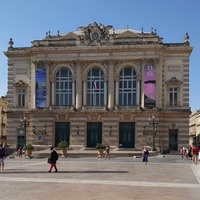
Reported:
(99, 85)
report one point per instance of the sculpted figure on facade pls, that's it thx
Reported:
(94, 34)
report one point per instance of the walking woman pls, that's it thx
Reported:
(52, 160)
(107, 155)
(145, 155)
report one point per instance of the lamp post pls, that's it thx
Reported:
(24, 122)
(154, 122)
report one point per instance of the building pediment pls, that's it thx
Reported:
(173, 81)
(128, 34)
(70, 36)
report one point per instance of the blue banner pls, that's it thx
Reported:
(40, 87)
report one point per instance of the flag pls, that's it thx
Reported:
(94, 85)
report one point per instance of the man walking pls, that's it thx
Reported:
(2, 157)
(53, 159)
(194, 154)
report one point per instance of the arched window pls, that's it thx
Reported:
(127, 87)
(63, 88)
(95, 88)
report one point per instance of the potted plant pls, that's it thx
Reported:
(29, 148)
(100, 148)
(63, 146)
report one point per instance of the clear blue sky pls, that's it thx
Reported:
(25, 21)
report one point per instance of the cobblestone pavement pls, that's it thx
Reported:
(163, 178)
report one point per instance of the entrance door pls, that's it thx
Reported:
(21, 138)
(127, 134)
(62, 132)
(94, 133)
(173, 139)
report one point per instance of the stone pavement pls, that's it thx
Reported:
(92, 178)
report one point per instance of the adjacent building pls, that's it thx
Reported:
(99, 85)
(3, 117)
(194, 129)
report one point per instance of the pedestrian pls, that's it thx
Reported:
(182, 152)
(145, 155)
(52, 160)
(2, 156)
(190, 153)
(20, 152)
(194, 154)
(107, 155)
(187, 152)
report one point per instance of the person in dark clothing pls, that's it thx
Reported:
(145, 155)
(53, 158)
(2, 156)
(107, 155)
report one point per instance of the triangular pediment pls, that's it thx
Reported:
(70, 36)
(128, 34)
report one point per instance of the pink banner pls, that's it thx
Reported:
(149, 86)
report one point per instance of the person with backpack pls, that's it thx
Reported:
(52, 160)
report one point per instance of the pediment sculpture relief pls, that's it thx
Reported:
(95, 34)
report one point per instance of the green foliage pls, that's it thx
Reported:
(100, 146)
(29, 147)
(63, 144)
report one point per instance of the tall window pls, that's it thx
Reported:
(63, 88)
(21, 97)
(127, 87)
(173, 96)
(95, 88)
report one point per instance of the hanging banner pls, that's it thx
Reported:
(40, 87)
(149, 86)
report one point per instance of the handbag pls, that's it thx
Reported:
(49, 160)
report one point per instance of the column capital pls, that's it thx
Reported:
(52, 79)
(139, 77)
(116, 78)
(105, 78)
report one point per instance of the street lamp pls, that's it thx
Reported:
(24, 122)
(154, 122)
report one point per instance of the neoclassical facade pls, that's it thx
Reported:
(99, 85)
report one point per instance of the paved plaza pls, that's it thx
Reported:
(92, 178)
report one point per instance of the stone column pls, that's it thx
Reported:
(52, 81)
(105, 90)
(78, 85)
(138, 96)
(73, 89)
(116, 92)
(111, 86)
(84, 78)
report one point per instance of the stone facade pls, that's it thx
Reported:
(194, 128)
(65, 105)
(3, 117)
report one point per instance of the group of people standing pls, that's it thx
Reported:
(190, 153)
